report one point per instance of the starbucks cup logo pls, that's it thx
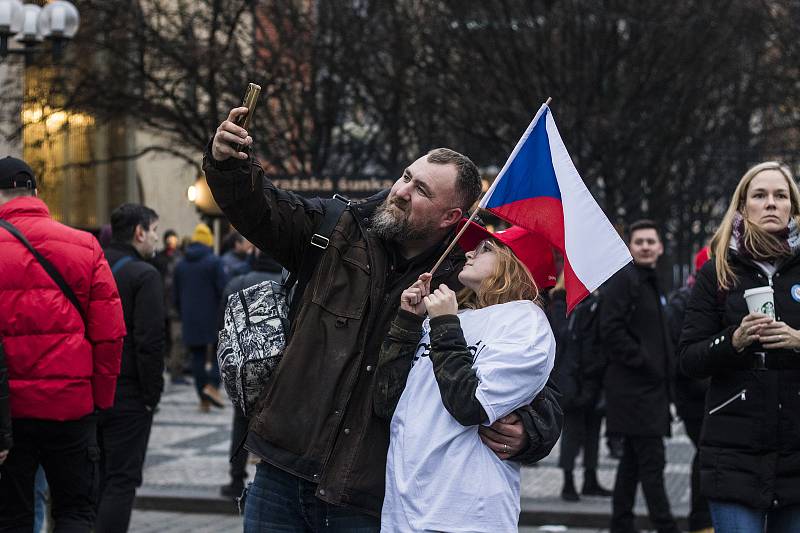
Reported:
(760, 300)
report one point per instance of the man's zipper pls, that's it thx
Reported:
(742, 395)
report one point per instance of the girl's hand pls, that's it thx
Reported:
(749, 331)
(779, 335)
(412, 298)
(441, 302)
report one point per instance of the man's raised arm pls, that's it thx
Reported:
(276, 221)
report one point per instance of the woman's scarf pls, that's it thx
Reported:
(789, 236)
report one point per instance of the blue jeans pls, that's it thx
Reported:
(281, 502)
(40, 498)
(731, 517)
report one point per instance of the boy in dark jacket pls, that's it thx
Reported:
(637, 381)
(123, 430)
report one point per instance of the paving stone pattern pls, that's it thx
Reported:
(541, 485)
(188, 449)
(188, 454)
(166, 522)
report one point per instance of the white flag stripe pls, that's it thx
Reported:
(593, 246)
(508, 162)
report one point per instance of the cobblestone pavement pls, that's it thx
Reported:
(165, 522)
(188, 455)
(541, 486)
(187, 449)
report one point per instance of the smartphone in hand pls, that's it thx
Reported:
(249, 101)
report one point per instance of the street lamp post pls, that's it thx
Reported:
(200, 195)
(57, 22)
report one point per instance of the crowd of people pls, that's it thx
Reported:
(78, 390)
(408, 397)
(619, 362)
(630, 351)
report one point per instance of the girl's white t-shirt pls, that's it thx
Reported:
(439, 475)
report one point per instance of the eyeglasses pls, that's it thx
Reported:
(484, 246)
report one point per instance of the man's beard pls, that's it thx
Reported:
(391, 225)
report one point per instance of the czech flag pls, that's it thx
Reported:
(540, 190)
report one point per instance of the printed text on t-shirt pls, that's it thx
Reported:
(424, 350)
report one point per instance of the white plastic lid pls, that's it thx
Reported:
(758, 290)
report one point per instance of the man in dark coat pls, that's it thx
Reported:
(637, 381)
(198, 285)
(237, 260)
(578, 372)
(165, 262)
(690, 396)
(123, 430)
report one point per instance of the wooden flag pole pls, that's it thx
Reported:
(455, 240)
(460, 233)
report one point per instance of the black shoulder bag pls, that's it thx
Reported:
(48, 267)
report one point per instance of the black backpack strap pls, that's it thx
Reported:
(47, 265)
(319, 242)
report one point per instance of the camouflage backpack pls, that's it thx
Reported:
(252, 340)
(257, 320)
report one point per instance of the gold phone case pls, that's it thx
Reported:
(249, 101)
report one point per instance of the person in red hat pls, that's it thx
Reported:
(477, 356)
(531, 249)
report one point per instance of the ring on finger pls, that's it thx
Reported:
(505, 448)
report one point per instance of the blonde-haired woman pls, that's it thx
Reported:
(478, 356)
(750, 443)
